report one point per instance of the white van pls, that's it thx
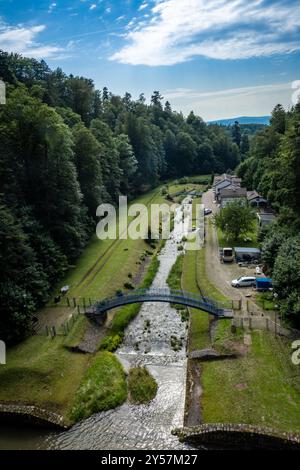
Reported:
(244, 281)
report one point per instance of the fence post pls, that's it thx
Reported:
(74, 302)
(78, 309)
(47, 330)
(83, 304)
(68, 302)
(267, 324)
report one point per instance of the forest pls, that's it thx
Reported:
(66, 147)
(272, 166)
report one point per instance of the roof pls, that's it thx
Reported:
(235, 191)
(245, 249)
(226, 177)
(264, 279)
(254, 195)
(266, 216)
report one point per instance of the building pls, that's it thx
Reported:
(265, 218)
(225, 181)
(233, 194)
(256, 199)
(225, 176)
(246, 254)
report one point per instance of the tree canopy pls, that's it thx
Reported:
(272, 166)
(65, 148)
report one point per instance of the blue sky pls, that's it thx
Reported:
(221, 58)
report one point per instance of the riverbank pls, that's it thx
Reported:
(46, 372)
(147, 343)
(237, 437)
(260, 386)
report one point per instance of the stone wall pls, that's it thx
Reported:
(31, 414)
(237, 436)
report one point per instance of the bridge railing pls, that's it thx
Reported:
(164, 294)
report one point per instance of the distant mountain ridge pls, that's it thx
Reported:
(265, 120)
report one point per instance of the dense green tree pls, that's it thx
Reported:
(128, 163)
(87, 152)
(235, 219)
(236, 133)
(245, 144)
(109, 159)
(286, 278)
(186, 153)
(21, 279)
(278, 119)
(65, 148)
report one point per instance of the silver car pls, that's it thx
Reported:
(244, 281)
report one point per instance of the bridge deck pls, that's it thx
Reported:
(220, 310)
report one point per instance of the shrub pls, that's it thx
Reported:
(128, 285)
(142, 386)
(111, 342)
(103, 387)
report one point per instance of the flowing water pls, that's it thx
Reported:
(147, 342)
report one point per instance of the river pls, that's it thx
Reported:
(147, 341)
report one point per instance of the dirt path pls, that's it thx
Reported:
(193, 412)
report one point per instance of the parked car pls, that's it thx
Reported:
(207, 211)
(226, 255)
(244, 281)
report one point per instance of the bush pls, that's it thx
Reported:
(111, 342)
(103, 387)
(142, 386)
(128, 285)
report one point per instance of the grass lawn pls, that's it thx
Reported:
(141, 385)
(104, 265)
(192, 281)
(43, 372)
(224, 241)
(103, 387)
(199, 321)
(261, 388)
(265, 300)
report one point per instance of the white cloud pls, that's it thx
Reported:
(21, 39)
(51, 7)
(143, 6)
(178, 31)
(93, 6)
(222, 104)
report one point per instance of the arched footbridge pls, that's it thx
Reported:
(218, 309)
